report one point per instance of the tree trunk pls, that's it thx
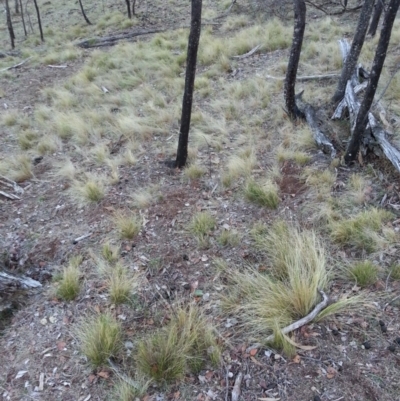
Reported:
(290, 80)
(9, 25)
(376, 17)
(83, 13)
(133, 7)
(128, 5)
(16, 6)
(29, 16)
(356, 46)
(379, 59)
(22, 17)
(194, 38)
(39, 20)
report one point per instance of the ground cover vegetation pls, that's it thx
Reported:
(160, 283)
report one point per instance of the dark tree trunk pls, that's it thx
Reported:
(9, 25)
(379, 59)
(128, 5)
(194, 38)
(376, 17)
(83, 13)
(133, 7)
(16, 6)
(22, 17)
(356, 46)
(39, 20)
(290, 80)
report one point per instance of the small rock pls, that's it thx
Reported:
(381, 323)
(367, 345)
(397, 340)
(383, 329)
(391, 348)
(317, 398)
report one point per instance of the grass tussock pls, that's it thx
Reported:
(130, 389)
(184, 345)
(70, 285)
(395, 272)
(100, 338)
(90, 189)
(262, 194)
(128, 224)
(202, 224)
(365, 273)
(121, 283)
(297, 269)
(364, 231)
(110, 253)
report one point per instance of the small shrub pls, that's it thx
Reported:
(100, 338)
(262, 195)
(365, 273)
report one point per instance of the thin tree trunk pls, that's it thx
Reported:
(9, 25)
(133, 7)
(290, 80)
(379, 59)
(22, 17)
(39, 20)
(356, 46)
(29, 16)
(83, 13)
(16, 3)
(128, 5)
(375, 17)
(194, 38)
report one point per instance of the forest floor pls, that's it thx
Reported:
(107, 119)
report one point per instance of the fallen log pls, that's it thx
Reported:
(111, 40)
(316, 126)
(10, 283)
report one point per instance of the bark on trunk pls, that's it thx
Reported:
(194, 37)
(376, 17)
(379, 59)
(133, 7)
(16, 3)
(9, 25)
(356, 46)
(39, 20)
(290, 81)
(83, 13)
(23, 18)
(128, 6)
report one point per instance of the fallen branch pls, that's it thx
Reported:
(306, 319)
(8, 282)
(9, 196)
(57, 66)
(112, 40)
(16, 65)
(76, 240)
(236, 387)
(315, 125)
(306, 77)
(248, 54)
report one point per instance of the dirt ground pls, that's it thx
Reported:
(351, 360)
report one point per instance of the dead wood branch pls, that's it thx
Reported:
(236, 387)
(316, 126)
(9, 196)
(306, 77)
(16, 65)
(10, 283)
(112, 40)
(248, 54)
(306, 319)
